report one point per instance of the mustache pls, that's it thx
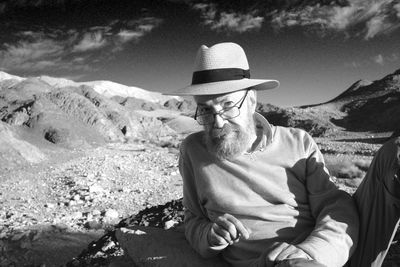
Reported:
(217, 133)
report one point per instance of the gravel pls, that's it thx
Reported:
(87, 193)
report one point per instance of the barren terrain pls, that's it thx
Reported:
(76, 159)
(51, 211)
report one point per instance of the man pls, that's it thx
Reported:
(255, 193)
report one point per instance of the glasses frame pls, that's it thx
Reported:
(222, 111)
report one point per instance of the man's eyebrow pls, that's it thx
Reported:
(219, 100)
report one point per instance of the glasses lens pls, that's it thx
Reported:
(230, 113)
(204, 119)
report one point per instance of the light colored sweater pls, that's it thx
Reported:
(281, 191)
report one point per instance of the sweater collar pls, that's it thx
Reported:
(264, 131)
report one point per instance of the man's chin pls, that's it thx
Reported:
(225, 149)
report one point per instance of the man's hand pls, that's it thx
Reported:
(299, 263)
(292, 252)
(226, 230)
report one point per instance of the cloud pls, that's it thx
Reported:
(397, 9)
(136, 29)
(39, 54)
(393, 57)
(378, 59)
(228, 21)
(90, 41)
(366, 17)
(128, 35)
(71, 49)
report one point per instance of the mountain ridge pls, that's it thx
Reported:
(364, 106)
(106, 88)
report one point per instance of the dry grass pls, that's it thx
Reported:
(348, 172)
(347, 167)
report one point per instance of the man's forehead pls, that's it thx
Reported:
(203, 99)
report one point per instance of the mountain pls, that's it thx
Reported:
(71, 114)
(105, 88)
(6, 76)
(364, 106)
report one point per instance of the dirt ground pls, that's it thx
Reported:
(50, 212)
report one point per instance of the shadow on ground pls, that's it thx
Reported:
(370, 140)
(44, 247)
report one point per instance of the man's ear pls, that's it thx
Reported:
(252, 95)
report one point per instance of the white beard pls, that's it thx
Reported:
(230, 141)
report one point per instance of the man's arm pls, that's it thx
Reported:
(197, 225)
(335, 235)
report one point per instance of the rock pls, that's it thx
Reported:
(95, 225)
(96, 212)
(150, 246)
(111, 214)
(76, 215)
(169, 224)
(50, 205)
(95, 189)
(18, 236)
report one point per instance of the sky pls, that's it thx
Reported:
(316, 49)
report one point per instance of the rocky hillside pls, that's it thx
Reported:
(72, 114)
(364, 106)
(69, 114)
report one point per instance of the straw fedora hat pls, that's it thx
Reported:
(221, 69)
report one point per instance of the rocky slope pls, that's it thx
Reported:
(364, 106)
(71, 114)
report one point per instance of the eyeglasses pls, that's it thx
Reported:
(226, 113)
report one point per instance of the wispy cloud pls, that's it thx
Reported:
(228, 21)
(366, 17)
(71, 50)
(38, 53)
(90, 41)
(378, 59)
(136, 29)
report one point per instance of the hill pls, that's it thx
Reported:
(364, 107)
(68, 114)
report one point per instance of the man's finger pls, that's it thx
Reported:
(223, 232)
(214, 238)
(243, 231)
(224, 223)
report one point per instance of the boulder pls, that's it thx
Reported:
(152, 246)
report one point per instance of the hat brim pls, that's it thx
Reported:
(225, 87)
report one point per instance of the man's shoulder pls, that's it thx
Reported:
(193, 140)
(194, 137)
(292, 132)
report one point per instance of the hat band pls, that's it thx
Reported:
(218, 75)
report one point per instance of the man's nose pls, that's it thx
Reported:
(218, 121)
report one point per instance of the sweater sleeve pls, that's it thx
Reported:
(335, 234)
(197, 225)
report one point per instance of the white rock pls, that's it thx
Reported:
(76, 215)
(169, 224)
(95, 188)
(96, 212)
(111, 214)
(50, 205)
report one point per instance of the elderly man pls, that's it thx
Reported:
(255, 193)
